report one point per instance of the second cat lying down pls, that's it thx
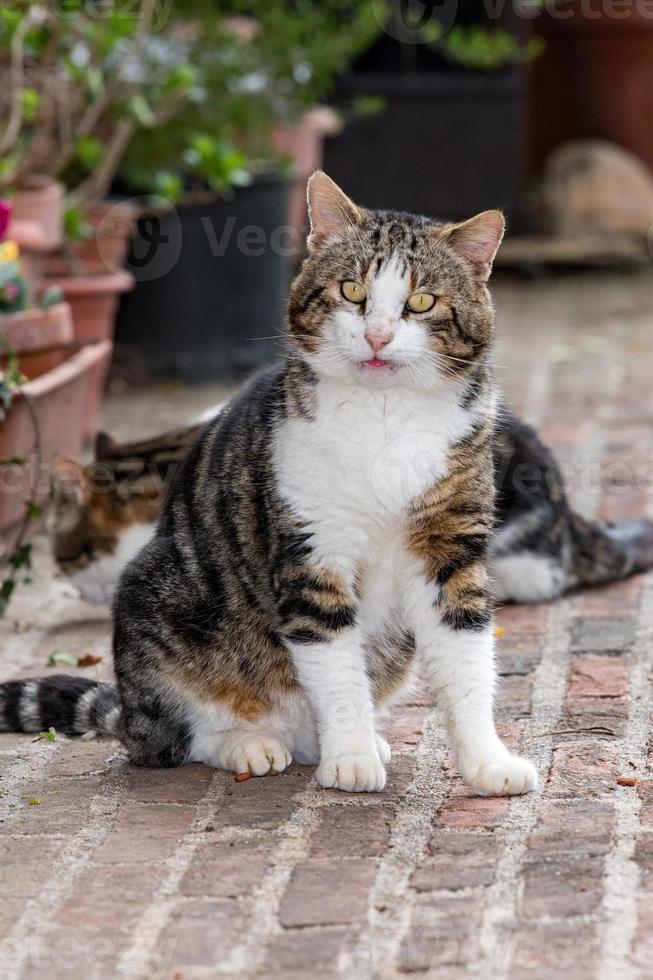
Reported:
(102, 514)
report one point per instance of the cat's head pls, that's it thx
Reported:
(387, 298)
(90, 514)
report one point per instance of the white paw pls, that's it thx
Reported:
(352, 773)
(508, 775)
(382, 748)
(259, 754)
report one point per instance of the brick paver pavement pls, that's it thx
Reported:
(187, 874)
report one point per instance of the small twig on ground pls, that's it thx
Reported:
(591, 730)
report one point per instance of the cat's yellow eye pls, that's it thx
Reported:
(353, 291)
(421, 302)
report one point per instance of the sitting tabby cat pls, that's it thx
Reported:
(329, 528)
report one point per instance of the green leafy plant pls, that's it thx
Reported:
(178, 89)
(83, 76)
(217, 162)
(478, 49)
(256, 65)
(473, 47)
(49, 736)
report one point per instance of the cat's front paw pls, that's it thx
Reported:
(354, 773)
(508, 775)
(258, 754)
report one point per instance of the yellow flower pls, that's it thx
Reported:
(8, 251)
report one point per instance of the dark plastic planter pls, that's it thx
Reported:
(212, 281)
(447, 144)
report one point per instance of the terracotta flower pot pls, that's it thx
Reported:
(105, 250)
(595, 79)
(40, 199)
(303, 141)
(40, 337)
(58, 398)
(93, 300)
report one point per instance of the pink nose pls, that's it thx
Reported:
(378, 338)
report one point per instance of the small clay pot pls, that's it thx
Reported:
(40, 199)
(39, 337)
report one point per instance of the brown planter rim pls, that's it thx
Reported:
(83, 357)
(29, 328)
(28, 235)
(126, 209)
(112, 282)
(40, 185)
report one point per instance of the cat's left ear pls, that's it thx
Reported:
(478, 240)
(330, 210)
(69, 482)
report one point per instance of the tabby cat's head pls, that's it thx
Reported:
(90, 512)
(388, 298)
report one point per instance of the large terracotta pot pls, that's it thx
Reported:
(303, 142)
(40, 199)
(595, 79)
(39, 337)
(105, 251)
(58, 398)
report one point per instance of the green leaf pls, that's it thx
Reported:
(6, 590)
(51, 296)
(21, 557)
(367, 105)
(34, 510)
(94, 80)
(140, 109)
(58, 658)
(30, 100)
(168, 185)
(50, 735)
(75, 225)
(182, 76)
(88, 150)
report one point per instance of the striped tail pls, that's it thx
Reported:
(71, 705)
(604, 553)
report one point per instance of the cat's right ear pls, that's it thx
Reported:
(330, 211)
(69, 482)
(105, 446)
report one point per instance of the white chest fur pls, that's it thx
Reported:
(352, 469)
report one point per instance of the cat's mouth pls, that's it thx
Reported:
(377, 364)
